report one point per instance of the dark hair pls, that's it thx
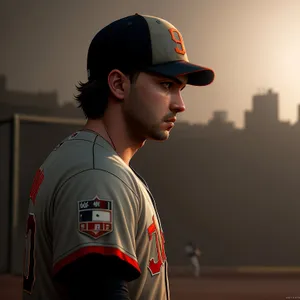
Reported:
(93, 96)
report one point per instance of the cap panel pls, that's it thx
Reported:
(124, 44)
(166, 41)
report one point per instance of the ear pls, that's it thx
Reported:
(117, 83)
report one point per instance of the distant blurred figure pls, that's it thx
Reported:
(194, 254)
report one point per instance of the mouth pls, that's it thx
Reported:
(170, 123)
(171, 120)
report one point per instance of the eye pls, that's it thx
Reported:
(167, 84)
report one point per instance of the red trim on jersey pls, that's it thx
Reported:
(37, 181)
(95, 249)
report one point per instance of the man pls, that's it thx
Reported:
(93, 229)
(193, 254)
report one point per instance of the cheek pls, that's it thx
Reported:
(149, 102)
(155, 96)
(156, 104)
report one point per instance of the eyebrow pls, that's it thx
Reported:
(174, 79)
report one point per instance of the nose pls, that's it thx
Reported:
(177, 104)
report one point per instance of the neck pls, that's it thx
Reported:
(115, 133)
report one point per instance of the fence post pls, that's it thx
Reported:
(14, 203)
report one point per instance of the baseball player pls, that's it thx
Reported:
(93, 230)
(194, 254)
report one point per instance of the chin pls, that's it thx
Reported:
(162, 135)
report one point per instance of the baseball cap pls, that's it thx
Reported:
(143, 43)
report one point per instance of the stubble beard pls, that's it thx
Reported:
(140, 130)
(158, 134)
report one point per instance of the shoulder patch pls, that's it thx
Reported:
(95, 217)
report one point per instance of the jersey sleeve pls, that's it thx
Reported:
(94, 212)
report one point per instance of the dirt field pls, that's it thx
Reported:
(208, 288)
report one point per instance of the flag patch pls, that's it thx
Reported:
(95, 217)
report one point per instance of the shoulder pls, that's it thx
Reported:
(72, 155)
(86, 161)
(83, 152)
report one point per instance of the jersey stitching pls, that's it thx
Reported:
(86, 141)
(94, 143)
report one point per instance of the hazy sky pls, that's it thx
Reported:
(250, 44)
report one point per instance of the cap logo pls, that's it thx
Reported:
(178, 40)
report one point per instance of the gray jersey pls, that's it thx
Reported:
(85, 199)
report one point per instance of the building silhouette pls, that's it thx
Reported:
(264, 116)
(296, 126)
(41, 103)
(219, 124)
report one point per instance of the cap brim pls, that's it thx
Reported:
(197, 75)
